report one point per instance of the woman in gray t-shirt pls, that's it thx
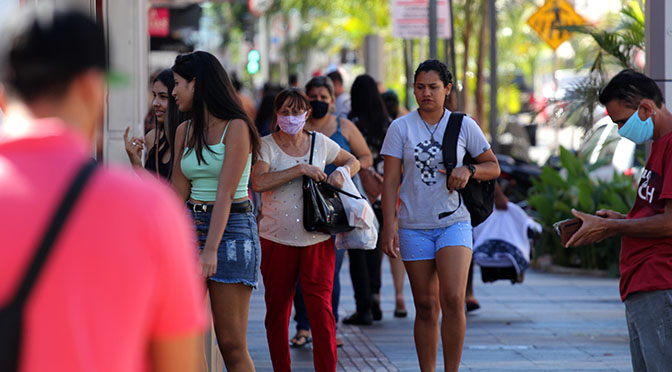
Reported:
(436, 251)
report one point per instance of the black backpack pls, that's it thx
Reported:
(479, 196)
(11, 315)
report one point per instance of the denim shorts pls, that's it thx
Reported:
(422, 244)
(239, 252)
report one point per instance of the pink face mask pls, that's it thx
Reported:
(292, 124)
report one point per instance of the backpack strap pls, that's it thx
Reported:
(449, 145)
(51, 235)
(449, 148)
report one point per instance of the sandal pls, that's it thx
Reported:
(400, 313)
(339, 342)
(300, 341)
(472, 305)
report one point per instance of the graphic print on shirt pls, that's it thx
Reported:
(425, 160)
(648, 184)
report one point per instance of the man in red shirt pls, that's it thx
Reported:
(636, 104)
(119, 290)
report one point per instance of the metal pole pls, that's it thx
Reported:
(432, 30)
(493, 76)
(452, 50)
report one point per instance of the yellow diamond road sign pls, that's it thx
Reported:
(552, 14)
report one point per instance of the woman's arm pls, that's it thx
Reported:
(236, 151)
(391, 180)
(357, 143)
(180, 183)
(264, 180)
(344, 159)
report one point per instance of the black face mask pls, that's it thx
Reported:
(320, 109)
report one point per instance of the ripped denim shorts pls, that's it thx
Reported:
(239, 252)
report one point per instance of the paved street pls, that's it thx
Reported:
(549, 323)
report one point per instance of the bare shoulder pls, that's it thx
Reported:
(150, 137)
(349, 128)
(236, 129)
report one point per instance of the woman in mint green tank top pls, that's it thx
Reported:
(214, 152)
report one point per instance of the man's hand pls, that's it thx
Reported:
(606, 213)
(593, 230)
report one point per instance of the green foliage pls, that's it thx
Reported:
(616, 46)
(554, 195)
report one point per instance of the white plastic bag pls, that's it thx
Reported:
(360, 215)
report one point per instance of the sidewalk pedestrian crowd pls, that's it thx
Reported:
(106, 269)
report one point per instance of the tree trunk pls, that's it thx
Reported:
(480, 68)
(466, 35)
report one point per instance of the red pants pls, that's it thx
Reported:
(313, 265)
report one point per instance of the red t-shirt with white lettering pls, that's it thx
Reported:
(646, 263)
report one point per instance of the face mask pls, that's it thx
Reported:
(292, 124)
(636, 129)
(320, 109)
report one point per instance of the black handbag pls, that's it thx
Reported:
(322, 208)
(479, 196)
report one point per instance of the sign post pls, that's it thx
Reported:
(553, 14)
(411, 18)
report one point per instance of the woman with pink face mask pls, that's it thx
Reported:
(289, 252)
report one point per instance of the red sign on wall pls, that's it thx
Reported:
(159, 22)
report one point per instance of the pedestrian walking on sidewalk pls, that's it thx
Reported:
(436, 251)
(114, 286)
(320, 92)
(369, 115)
(636, 105)
(289, 251)
(216, 150)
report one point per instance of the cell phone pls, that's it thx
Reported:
(566, 228)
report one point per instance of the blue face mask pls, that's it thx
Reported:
(636, 129)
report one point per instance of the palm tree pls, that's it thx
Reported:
(616, 47)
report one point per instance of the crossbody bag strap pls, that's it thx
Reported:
(312, 147)
(449, 148)
(58, 220)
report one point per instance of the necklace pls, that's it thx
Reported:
(431, 133)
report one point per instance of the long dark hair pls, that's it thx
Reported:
(212, 89)
(173, 116)
(369, 110)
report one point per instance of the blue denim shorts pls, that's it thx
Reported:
(422, 244)
(239, 252)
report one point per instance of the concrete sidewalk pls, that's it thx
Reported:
(549, 323)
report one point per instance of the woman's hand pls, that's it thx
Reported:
(390, 242)
(313, 172)
(134, 148)
(208, 261)
(458, 178)
(336, 179)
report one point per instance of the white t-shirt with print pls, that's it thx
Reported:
(423, 190)
(282, 211)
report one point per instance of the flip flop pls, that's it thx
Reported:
(400, 313)
(300, 341)
(339, 342)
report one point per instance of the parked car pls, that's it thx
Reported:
(607, 152)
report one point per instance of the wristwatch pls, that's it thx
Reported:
(472, 169)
